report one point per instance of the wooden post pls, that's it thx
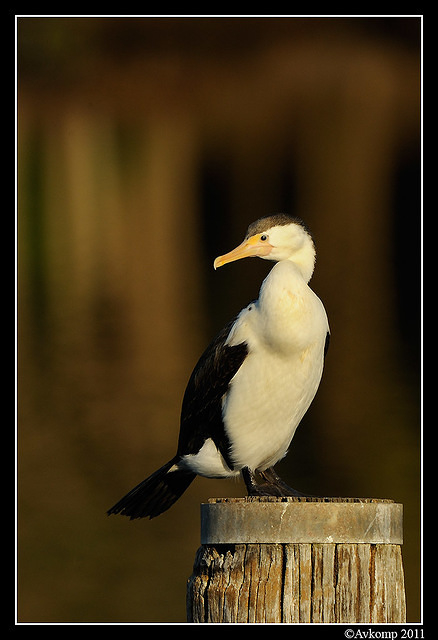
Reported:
(298, 560)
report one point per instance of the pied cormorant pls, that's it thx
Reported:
(255, 381)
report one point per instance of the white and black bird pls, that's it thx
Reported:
(255, 381)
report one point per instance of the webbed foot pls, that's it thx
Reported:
(268, 488)
(281, 487)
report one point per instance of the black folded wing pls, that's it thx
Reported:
(201, 413)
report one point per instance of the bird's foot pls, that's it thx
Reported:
(271, 478)
(265, 488)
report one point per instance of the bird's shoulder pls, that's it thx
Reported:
(218, 364)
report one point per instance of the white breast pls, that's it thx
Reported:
(286, 331)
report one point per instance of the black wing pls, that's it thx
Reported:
(201, 413)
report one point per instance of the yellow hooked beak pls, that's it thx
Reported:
(257, 245)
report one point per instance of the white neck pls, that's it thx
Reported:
(304, 259)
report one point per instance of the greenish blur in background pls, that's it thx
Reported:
(145, 148)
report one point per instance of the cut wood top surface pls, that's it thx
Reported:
(301, 520)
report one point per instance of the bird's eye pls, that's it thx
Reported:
(263, 237)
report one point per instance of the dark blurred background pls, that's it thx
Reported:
(145, 148)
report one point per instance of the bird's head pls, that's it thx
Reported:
(278, 237)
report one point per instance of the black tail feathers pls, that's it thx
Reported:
(155, 494)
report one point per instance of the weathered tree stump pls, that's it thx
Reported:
(298, 560)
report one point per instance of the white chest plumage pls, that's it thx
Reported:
(286, 331)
